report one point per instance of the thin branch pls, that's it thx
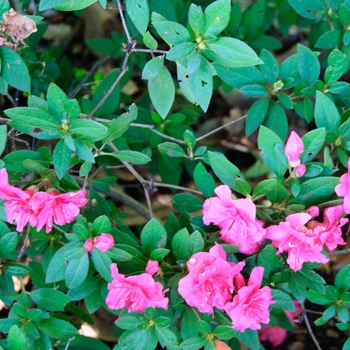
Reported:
(120, 76)
(341, 252)
(24, 246)
(14, 103)
(310, 329)
(88, 75)
(160, 184)
(152, 128)
(220, 128)
(151, 51)
(121, 14)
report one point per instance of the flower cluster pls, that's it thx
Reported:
(212, 282)
(17, 27)
(103, 242)
(137, 293)
(303, 239)
(39, 209)
(343, 189)
(236, 219)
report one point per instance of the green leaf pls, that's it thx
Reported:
(14, 70)
(89, 128)
(180, 51)
(132, 157)
(76, 271)
(195, 243)
(50, 299)
(232, 53)
(194, 343)
(249, 338)
(47, 4)
(103, 45)
(153, 236)
(342, 278)
(16, 269)
(3, 137)
(149, 41)
(138, 11)
(273, 190)
(61, 158)
(224, 332)
(26, 119)
(167, 338)
(188, 202)
(285, 100)
(162, 91)
(297, 286)
(276, 120)
(252, 19)
(111, 103)
(318, 298)
(188, 319)
(329, 40)
(201, 84)
(282, 299)
(4, 7)
(16, 339)
(326, 113)
(172, 32)
(270, 68)
(256, 115)
(74, 5)
(305, 109)
(216, 17)
(272, 151)
(196, 19)
(204, 181)
(129, 322)
(308, 65)
(171, 149)
(313, 142)
(153, 67)
(56, 328)
(102, 264)
(224, 169)
(101, 224)
(8, 243)
(337, 64)
(179, 244)
(306, 8)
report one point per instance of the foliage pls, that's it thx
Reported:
(78, 130)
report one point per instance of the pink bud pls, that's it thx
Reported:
(152, 267)
(104, 242)
(294, 148)
(300, 170)
(89, 245)
(313, 211)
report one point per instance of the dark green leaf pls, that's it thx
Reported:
(179, 244)
(61, 158)
(50, 299)
(329, 40)
(132, 157)
(224, 332)
(313, 142)
(171, 149)
(76, 271)
(308, 65)
(342, 279)
(256, 115)
(102, 264)
(204, 181)
(153, 236)
(57, 329)
(8, 243)
(276, 120)
(188, 202)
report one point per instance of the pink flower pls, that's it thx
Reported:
(313, 211)
(236, 219)
(294, 148)
(329, 232)
(343, 189)
(89, 245)
(250, 306)
(137, 293)
(276, 335)
(152, 267)
(210, 281)
(300, 242)
(62, 208)
(17, 206)
(104, 242)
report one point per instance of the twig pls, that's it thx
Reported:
(160, 184)
(121, 14)
(150, 51)
(138, 177)
(88, 75)
(68, 343)
(220, 127)
(14, 103)
(341, 252)
(152, 128)
(22, 251)
(313, 312)
(310, 329)
(120, 76)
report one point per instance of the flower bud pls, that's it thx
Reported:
(104, 242)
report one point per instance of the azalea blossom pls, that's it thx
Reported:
(89, 245)
(304, 240)
(294, 148)
(236, 219)
(343, 189)
(137, 293)
(104, 242)
(210, 281)
(60, 208)
(17, 207)
(152, 267)
(250, 307)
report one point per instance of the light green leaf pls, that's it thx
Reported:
(50, 299)
(149, 41)
(180, 51)
(171, 149)
(61, 158)
(188, 202)
(74, 5)
(162, 92)
(308, 65)
(196, 18)
(256, 115)
(132, 157)
(204, 181)
(88, 128)
(326, 113)
(48, 4)
(76, 271)
(102, 264)
(3, 137)
(16, 339)
(153, 236)
(153, 67)
(138, 11)
(277, 121)
(216, 17)
(56, 328)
